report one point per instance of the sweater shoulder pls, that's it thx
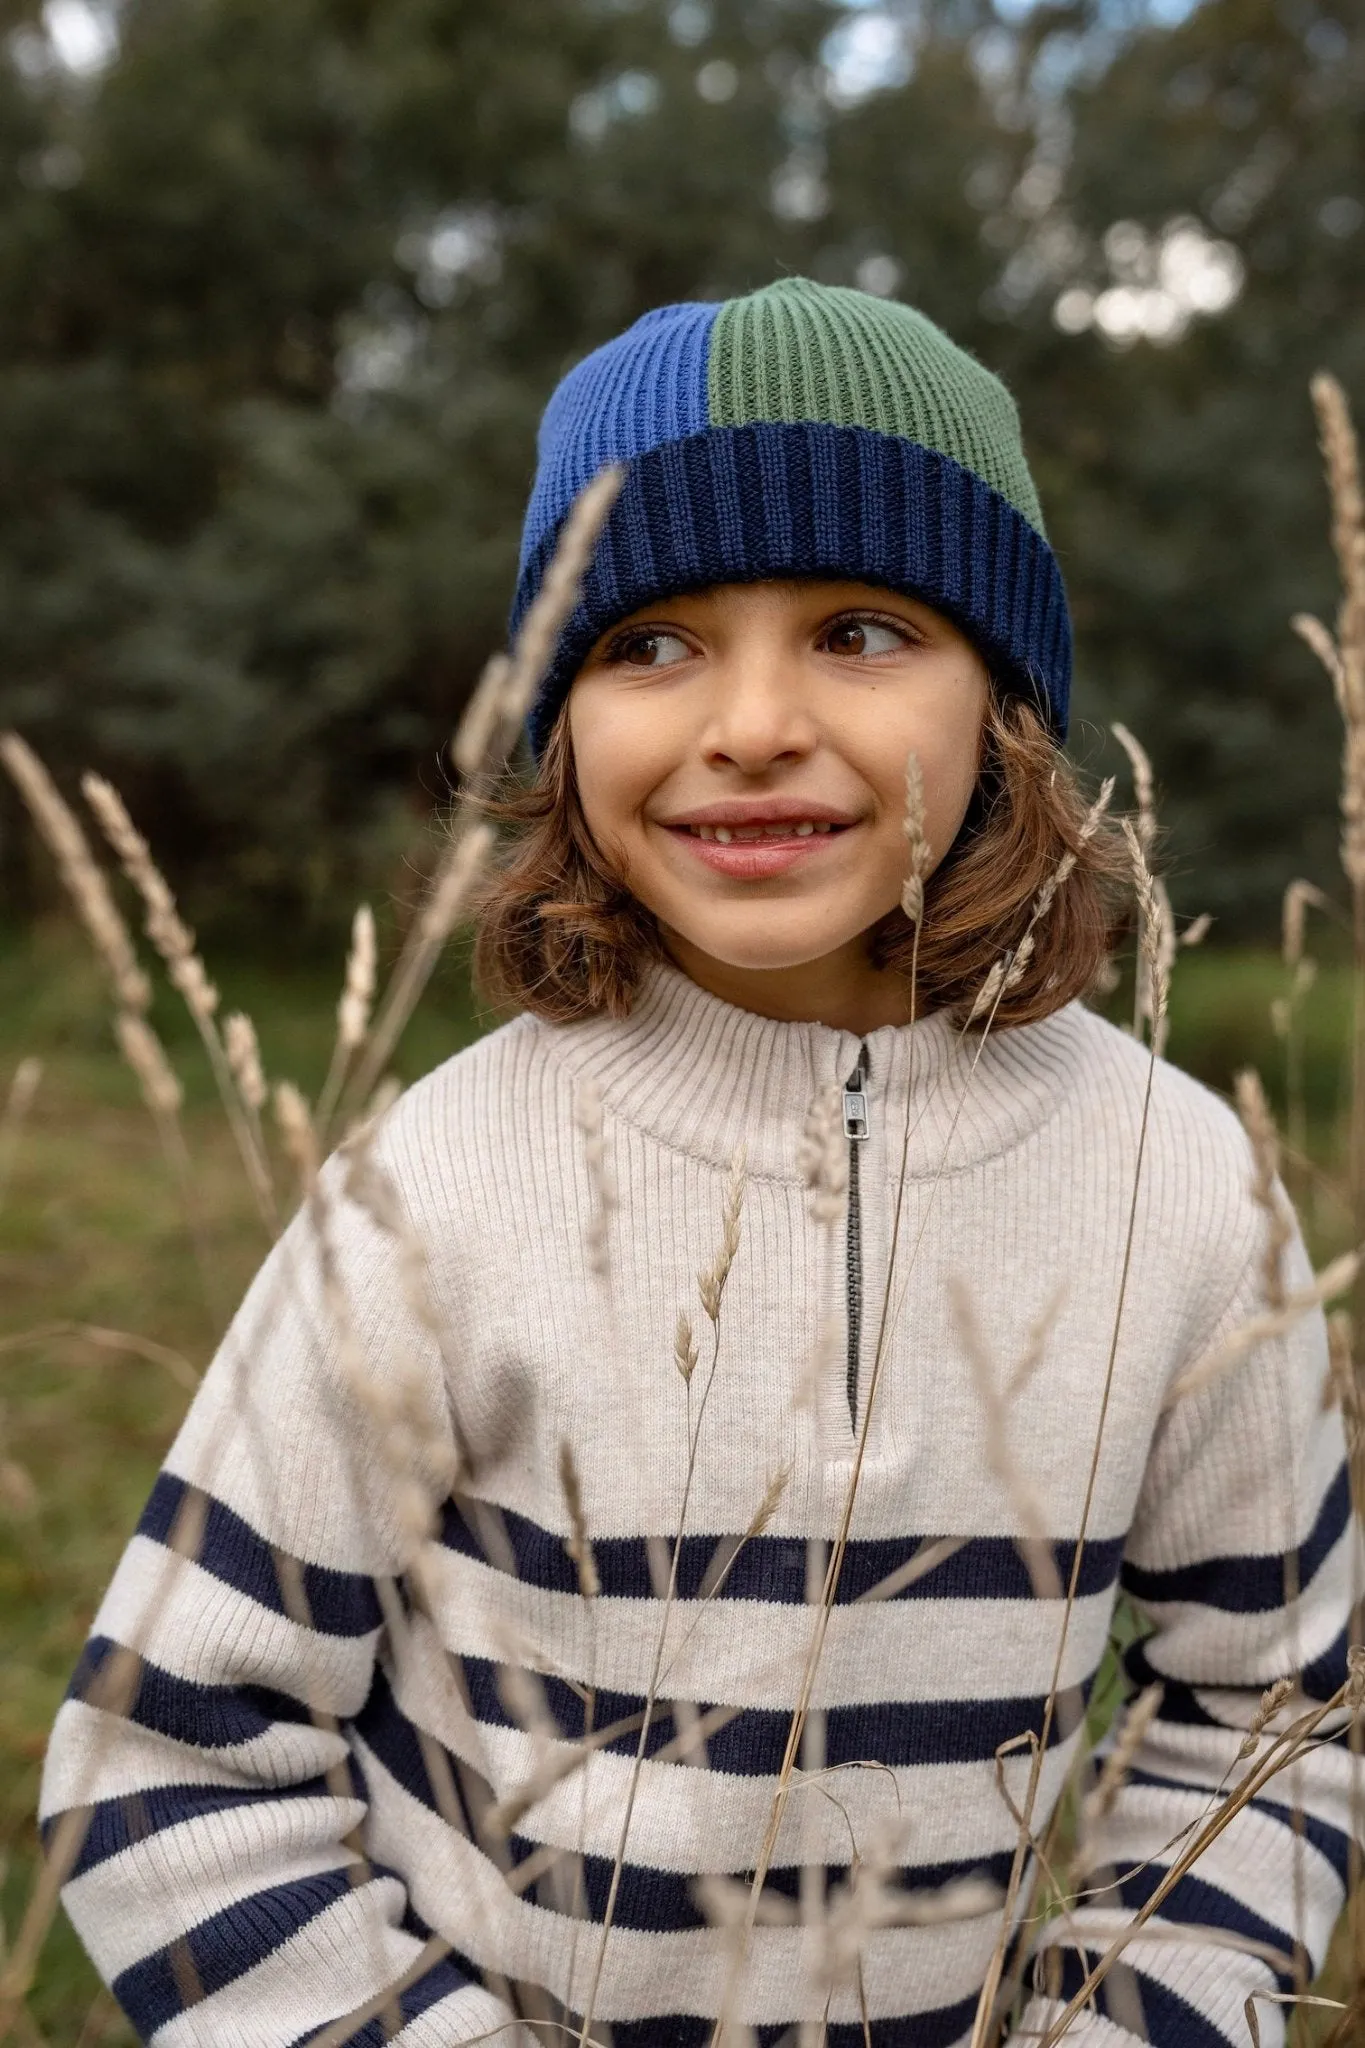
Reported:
(1182, 1107)
(1196, 1160)
(1183, 1111)
(494, 1107)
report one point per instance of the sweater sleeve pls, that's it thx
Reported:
(1243, 1560)
(200, 1760)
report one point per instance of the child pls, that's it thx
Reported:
(510, 1596)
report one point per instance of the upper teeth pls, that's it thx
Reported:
(725, 833)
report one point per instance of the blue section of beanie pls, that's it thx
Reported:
(646, 387)
(742, 504)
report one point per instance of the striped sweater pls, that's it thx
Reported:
(342, 1791)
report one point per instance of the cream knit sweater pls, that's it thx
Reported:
(291, 1789)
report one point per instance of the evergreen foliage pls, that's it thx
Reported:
(284, 283)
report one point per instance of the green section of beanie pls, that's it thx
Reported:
(803, 351)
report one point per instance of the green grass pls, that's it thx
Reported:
(93, 1231)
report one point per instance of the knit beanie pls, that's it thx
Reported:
(805, 430)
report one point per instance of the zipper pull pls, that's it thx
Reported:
(855, 1101)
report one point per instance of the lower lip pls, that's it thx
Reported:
(754, 860)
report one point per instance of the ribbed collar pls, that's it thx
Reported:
(701, 1076)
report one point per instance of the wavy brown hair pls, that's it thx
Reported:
(560, 934)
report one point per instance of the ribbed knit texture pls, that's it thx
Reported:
(290, 1814)
(804, 430)
(802, 351)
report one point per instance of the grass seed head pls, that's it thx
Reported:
(685, 1348)
(711, 1284)
(577, 1542)
(1144, 785)
(771, 1501)
(145, 1054)
(920, 860)
(244, 1058)
(85, 883)
(165, 927)
(823, 1156)
(1269, 1704)
(295, 1121)
(357, 996)
(1156, 940)
(1259, 1125)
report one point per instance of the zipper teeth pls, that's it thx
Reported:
(853, 1239)
(854, 1243)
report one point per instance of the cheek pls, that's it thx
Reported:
(948, 743)
(615, 758)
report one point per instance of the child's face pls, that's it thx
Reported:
(711, 733)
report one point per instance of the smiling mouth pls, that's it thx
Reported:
(726, 835)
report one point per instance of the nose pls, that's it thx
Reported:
(757, 716)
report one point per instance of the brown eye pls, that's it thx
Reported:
(649, 649)
(860, 637)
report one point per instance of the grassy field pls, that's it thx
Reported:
(93, 1233)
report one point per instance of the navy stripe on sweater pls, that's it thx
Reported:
(338, 1603)
(120, 1823)
(1328, 1841)
(204, 1716)
(223, 1948)
(1200, 1903)
(1322, 1677)
(772, 1568)
(936, 2029)
(657, 1901)
(1249, 1585)
(754, 1743)
(1170, 2020)
(454, 1973)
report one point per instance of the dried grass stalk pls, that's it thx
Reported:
(1341, 458)
(1144, 786)
(685, 1348)
(711, 1283)
(1272, 1699)
(1033, 1544)
(166, 929)
(1299, 898)
(357, 996)
(244, 1058)
(578, 1543)
(823, 1157)
(482, 746)
(1285, 1750)
(18, 1102)
(483, 715)
(588, 1116)
(1259, 1125)
(771, 1501)
(85, 883)
(1333, 1280)
(1156, 943)
(295, 1120)
(174, 941)
(559, 592)
(1008, 971)
(447, 900)
(146, 1056)
(920, 861)
(1099, 1801)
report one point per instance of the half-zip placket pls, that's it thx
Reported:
(856, 1126)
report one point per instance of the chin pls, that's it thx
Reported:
(767, 952)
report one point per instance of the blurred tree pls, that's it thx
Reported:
(1192, 509)
(283, 284)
